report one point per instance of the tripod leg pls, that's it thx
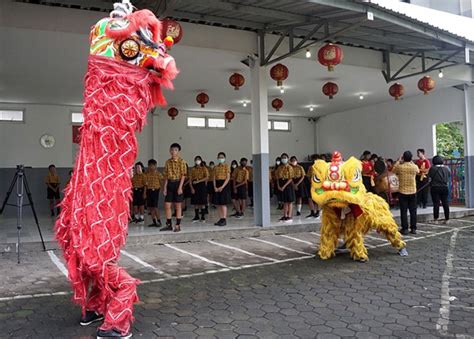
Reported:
(9, 192)
(19, 223)
(30, 198)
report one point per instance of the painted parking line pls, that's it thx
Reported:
(242, 251)
(316, 233)
(196, 256)
(279, 246)
(424, 232)
(144, 263)
(297, 239)
(465, 221)
(434, 225)
(375, 238)
(58, 263)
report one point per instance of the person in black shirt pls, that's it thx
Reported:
(439, 176)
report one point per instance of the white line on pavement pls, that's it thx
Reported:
(443, 320)
(375, 238)
(434, 225)
(299, 240)
(427, 232)
(144, 263)
(277, 245)
(242, 251)
(316, 233)
(57, 262)
(196, 256)
(29, 296)
(461, 278)
(470, 308)
(465, 221)
(463, 259)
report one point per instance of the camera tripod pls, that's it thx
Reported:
(21, 183)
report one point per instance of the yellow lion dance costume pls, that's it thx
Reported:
(348, 210)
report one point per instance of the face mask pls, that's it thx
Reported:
(221, 160)
(234, 166)
(294, 163)
(212, 166)
(198, 162)
(284, 161)
(278, 163)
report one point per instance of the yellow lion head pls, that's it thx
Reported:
(338, 183)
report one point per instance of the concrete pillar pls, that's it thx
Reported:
(260, 150)
(469, 144)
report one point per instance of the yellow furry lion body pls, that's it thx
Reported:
(348, 211)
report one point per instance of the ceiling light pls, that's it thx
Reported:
(282, 89)
(311, 108)
(440, 74)
(308, 53)
(244, 103)
(361, 97)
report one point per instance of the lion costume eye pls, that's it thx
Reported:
(356, 176)
(315, 179)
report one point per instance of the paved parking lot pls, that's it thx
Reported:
(270, 286)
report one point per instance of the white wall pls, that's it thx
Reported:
(392, 127)
(19, 142)
(235, 140)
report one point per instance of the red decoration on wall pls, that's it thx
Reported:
(426, 84)
(76, 134)
(396, 90)
(237, 80)
(173, 113)
(229, 115)
(202, 99)
(171, 28)
(277, 104)
(330, 89)
(330, 55)
(279, 73)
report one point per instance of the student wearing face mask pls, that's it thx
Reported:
(301, 191)
(274, 176)
(233, 167)
(198, 185)
(239, 187)
(210, 185)
(285, 177)
(221, 188)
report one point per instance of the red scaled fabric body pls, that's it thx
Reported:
(93, 224)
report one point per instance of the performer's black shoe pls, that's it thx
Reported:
(90, 317)
(316, 215)
(413, 231)
(112, 334)
(167, 227)
(404, 231)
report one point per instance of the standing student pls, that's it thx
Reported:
(69, 178)
(422, 181)
(285, 187)
(407, 171)
(239, 187)
(221, 188)
(233, 167)
(301, 191)
(210, 185)
(439, 176)
(153, 180)
(198, 183)
(139, 194)
(274, 176)
(175, 174)
(52, 189)
(313, 207)
(368, 172)
(250, 183)
(186, 192)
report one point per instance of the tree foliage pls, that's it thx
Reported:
(449, 139)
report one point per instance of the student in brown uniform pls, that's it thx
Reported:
(175, 174)
(52, 189)
(210, 184)
(198, 185)
(313, 207)
(250, 183)
(285, 187)
(153, 180)
(239, 187)
(233, 167)
(301, 191)
(139, 194)
(275, 182)
(221, 188)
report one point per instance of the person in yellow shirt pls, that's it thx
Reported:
(275, 182)
(52, 189)
(139, 194)
(285, 186)
(198, 184)
(250, 183)
(221, 188)
(210, 185)
(407, 171)
(153, 180)
(313, 207)
(301, 191)
(175, 173)
(239, 187)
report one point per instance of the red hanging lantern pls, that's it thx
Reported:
(396, 90)
(279, 73)
(237, 80)
(426, 84)
(277, 104)
(330, 89)
(202, 99)
(171, 28)
(330, 55)
(173, 113)
(229, 115)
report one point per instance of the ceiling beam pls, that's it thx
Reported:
(217, 19)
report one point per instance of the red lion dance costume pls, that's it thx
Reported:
(128, 64)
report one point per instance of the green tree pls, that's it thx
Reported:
(449, 139)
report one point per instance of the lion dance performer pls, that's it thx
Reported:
(128, 66)
(348, 210)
